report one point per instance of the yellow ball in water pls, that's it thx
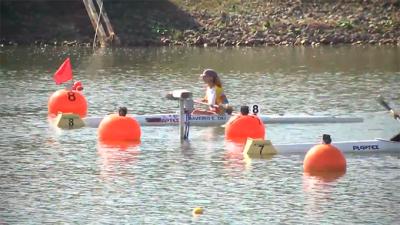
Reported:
(197, 211)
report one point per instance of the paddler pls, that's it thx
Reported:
(215, 97)
(122, 111)
(396, 116)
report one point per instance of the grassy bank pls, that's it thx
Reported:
(207, 22)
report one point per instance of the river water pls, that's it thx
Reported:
(53, 176)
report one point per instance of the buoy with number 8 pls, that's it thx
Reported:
(241, 127)
(67, 101)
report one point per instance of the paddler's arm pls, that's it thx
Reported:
(395, 114)
(205, 103)
(382, 101)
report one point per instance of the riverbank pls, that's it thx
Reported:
(207, 23)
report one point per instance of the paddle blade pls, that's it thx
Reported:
(383, 103)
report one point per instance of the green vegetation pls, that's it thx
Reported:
(207, 22)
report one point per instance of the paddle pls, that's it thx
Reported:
(383, 103)
(205, 103)
(227, 109)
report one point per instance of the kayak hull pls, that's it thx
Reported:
(218, 120)
(363, 146)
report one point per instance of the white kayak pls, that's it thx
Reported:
(363, 146)
(217, 120)
(256, 148)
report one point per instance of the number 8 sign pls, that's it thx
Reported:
(255, 109)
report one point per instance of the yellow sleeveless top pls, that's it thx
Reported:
(220, 99)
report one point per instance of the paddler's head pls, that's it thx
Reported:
(210, 77)
(326, 139)
(244, 110)
(122, 111)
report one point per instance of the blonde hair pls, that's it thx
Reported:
(211, 73)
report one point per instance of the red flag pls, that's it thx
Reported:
(64, 73)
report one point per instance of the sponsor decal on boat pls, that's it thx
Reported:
(170, 119)
(366, 147)
(207, 117)
(163, 119)
(175, 118)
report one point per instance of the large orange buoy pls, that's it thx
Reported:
(115, 128)
(241, 127)
(67, 101)
(324, 158)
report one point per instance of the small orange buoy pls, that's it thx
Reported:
(115, 128)
(324, 158)
(241, 127)
(66, 101)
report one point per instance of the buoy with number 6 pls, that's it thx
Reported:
(243, 126)
(66, 101)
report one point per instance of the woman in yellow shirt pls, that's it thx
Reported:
(215, 97)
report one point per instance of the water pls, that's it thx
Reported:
(52, 176)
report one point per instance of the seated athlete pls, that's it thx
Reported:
(215, 98)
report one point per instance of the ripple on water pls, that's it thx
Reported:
(53, 176)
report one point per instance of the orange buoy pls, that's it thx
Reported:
(241, 127)
(115, 128)
(324, 158)
(67, 101)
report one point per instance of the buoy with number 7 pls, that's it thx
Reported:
(258, 148)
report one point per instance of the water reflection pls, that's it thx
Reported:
(323, 177)
(319, 189)
(233, 156)
(116, 160)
